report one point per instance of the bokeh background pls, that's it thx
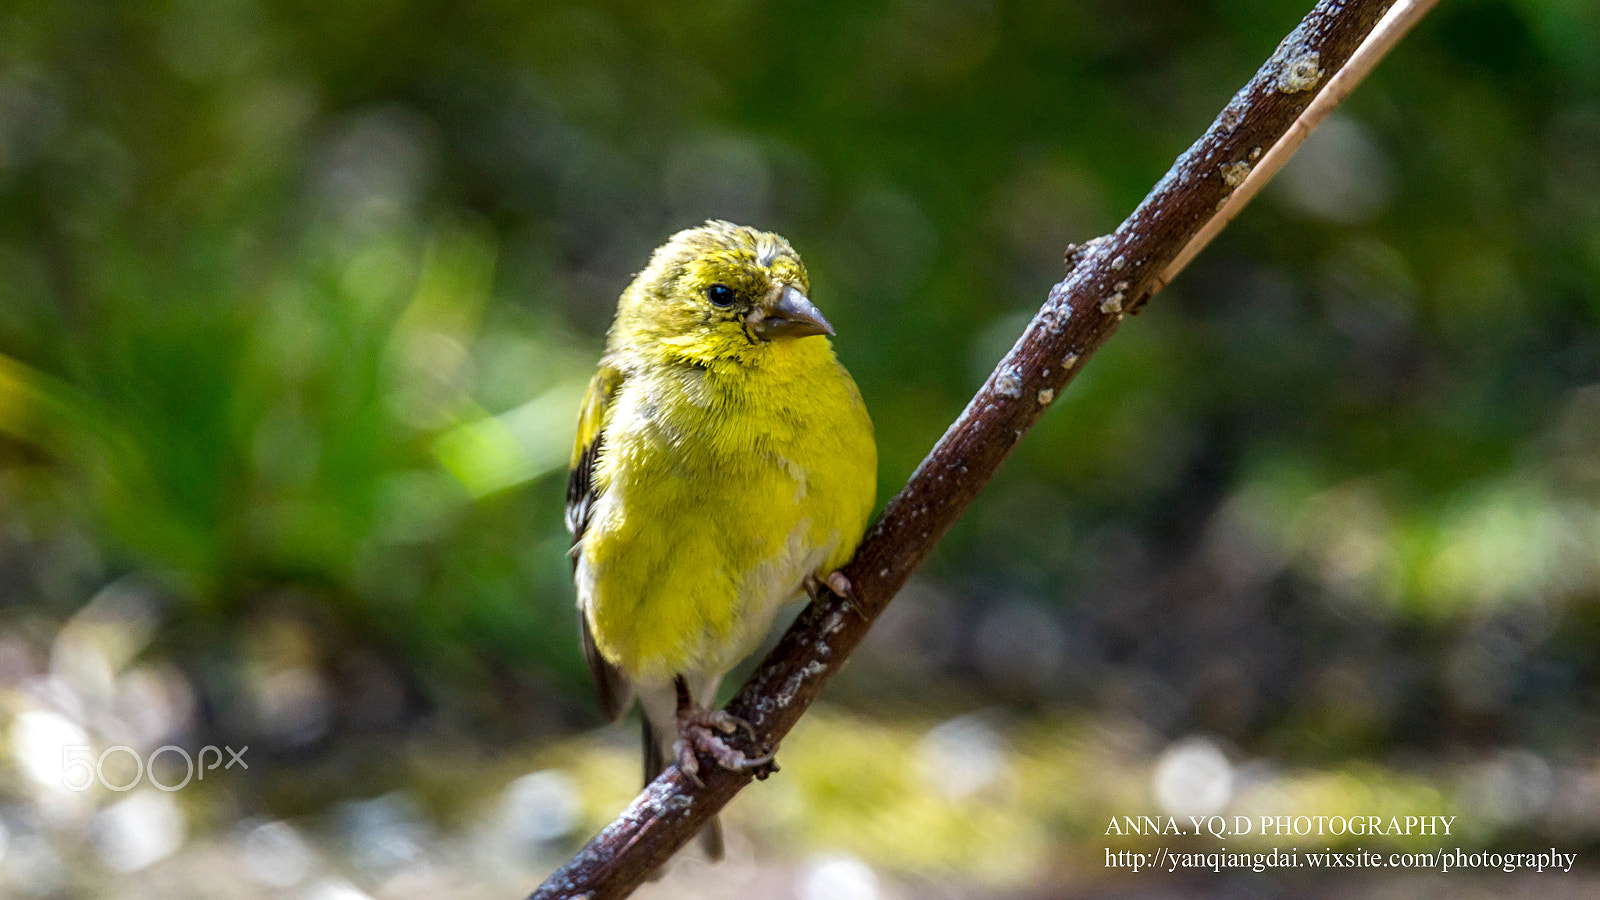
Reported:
(297, 301)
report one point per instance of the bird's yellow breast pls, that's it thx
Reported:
(720, 488)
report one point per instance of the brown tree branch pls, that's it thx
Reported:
(1110, 277)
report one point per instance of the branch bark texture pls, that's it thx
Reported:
(1109, 278)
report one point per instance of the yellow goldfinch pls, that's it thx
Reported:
(724, 464)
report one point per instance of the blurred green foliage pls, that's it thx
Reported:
(297, 300)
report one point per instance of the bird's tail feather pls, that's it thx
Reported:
(653, 760)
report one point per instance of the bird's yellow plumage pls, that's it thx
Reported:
(724, 458)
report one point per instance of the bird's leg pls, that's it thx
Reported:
(700, 730)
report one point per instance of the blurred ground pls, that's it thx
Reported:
(297, 301)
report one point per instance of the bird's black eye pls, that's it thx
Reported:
(720, 295)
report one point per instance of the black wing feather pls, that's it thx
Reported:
(610, 683)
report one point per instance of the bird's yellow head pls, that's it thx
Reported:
(718, 293)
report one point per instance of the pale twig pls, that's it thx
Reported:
(1391, 28)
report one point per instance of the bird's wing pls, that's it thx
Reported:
(581, 494)
(615, 692)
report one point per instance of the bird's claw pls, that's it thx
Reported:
(727, 722)
(840, 586)
(701, 730)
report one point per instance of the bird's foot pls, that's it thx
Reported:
(701, 731)
(840, 586)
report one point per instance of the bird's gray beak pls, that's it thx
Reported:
(793, 316)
